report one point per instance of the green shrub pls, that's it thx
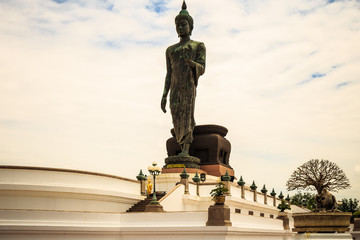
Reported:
(356, 214)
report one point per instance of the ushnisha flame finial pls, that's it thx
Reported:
(183, 7)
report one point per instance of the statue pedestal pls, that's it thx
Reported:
(321, 222)
(217, 170)
(176, 165)
(209, 146)
(180, 170)
(181, 162)
(218, 215)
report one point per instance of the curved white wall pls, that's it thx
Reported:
(41, 203)
(65, 190)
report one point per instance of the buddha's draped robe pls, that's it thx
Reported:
(183, 82)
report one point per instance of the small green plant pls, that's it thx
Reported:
(283, 206)
(219, 190)
(356, 214)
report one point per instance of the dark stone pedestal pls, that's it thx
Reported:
(154, 208)
(209, 145)
(181, 162)
(219, 215)
(180, 170)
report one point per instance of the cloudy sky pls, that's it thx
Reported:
(81, 83)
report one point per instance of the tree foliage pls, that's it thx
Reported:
(304, 199)
(318, 174)
(349, 205)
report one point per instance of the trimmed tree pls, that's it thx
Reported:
(318, 174)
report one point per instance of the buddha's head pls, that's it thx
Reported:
(184, 22)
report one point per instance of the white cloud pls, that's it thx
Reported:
(81, 85)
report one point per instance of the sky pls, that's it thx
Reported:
(81, 84)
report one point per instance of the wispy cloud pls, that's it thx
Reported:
(312, 77)
(60, 1)
(343, 84)
(318, 75)
(157, 6)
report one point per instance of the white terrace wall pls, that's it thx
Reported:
(166, 182)
(201, 202)
(58, 204)
(44, 225)
(65, 190)
(177, 200)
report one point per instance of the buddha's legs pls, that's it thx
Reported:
(185, 145)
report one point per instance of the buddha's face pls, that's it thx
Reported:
(183, 28)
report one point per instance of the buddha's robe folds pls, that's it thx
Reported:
(183, 81)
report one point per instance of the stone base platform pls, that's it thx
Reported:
(213, 170)
(154, 208)
(219, 215)
(322, 236)
(180, 170)
(321, 222)
(217, 170)
(285, 218)
(321, 230)
(357, 224)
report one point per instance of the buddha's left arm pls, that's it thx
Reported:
(200, 58)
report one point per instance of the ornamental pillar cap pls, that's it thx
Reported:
(253, 186)
(273, 193)
(264, 190)
(140, 176)
(196, 178)
(281, 196)
(226, 177)
(184, 174)
(241, 182)
(287, 198)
